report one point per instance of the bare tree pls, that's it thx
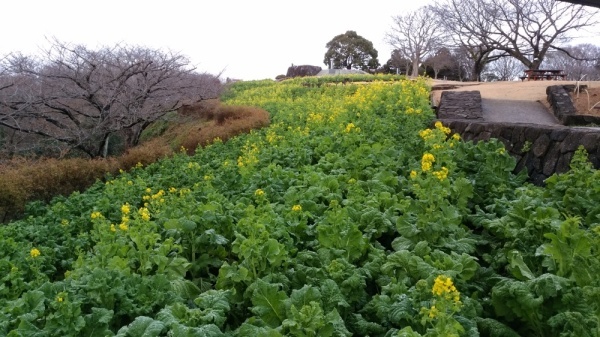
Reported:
(579, 61)
(525, 30)
(466, 22)
(506, 68)
(442, 59)
(80, 97)
(416, 36)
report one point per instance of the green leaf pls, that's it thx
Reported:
(492, 328)
(337, 324)
(97, 323)
(305, 295)
(249, 330)
(209, 330)
(331, 296)
(142, 327)
(517, 266)
(408, 332)
(269, 303)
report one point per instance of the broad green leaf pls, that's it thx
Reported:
(142, 327)
(305, 295)
(517, 266)
(268, 303)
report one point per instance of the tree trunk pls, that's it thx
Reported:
(415, 67)
(105, 147)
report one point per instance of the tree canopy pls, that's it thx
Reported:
(350, 50)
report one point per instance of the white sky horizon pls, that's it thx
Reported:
(246, 40)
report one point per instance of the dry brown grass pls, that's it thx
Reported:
(228, 122)
(24, 180)
(587, 102)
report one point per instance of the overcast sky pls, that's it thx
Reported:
(248, 39)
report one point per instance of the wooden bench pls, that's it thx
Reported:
(543, 74)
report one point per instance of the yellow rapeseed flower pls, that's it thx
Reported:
(96, 215)
(259, 193)
(64, 222)
(296, 208)
(444, 287)
(112, 227)
(34, 252)
(125, 209)
(427, 161)
(59, 299)
(172, 190)
(441, 127)
(433, 312)
(350, 127)
(413, 174)
(144, 213)
(441, 174)
(123, 226)
(456, 136)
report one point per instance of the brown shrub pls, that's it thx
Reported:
(27, 180)
(146, 153)
(24, 180)
(229, 121)
(203, 109)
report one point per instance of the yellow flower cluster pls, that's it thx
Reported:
(34, 252)
(96, 215)
(441, 127)
(172, 190)
(125, 209)
(296, 208)
(249, 155)
(315, 118)
(350, 127)
(413, 174)
(441, 174)
(433, 312)
(113, 228)
(259, 193)
(426, 134)
(272, 137)
(444, 287)
(64, 222)
(193, 165)
(144, 213)
(427, 162)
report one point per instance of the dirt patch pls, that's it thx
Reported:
(587, 102)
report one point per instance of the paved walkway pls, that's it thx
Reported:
(509, 111)
(511, 102)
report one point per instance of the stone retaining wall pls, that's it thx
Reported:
(541, 150)
(460, 105)
(562, 106)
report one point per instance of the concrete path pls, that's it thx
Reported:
(511, 111)
(511, 102)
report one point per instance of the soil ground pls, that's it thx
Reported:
(587, 102)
